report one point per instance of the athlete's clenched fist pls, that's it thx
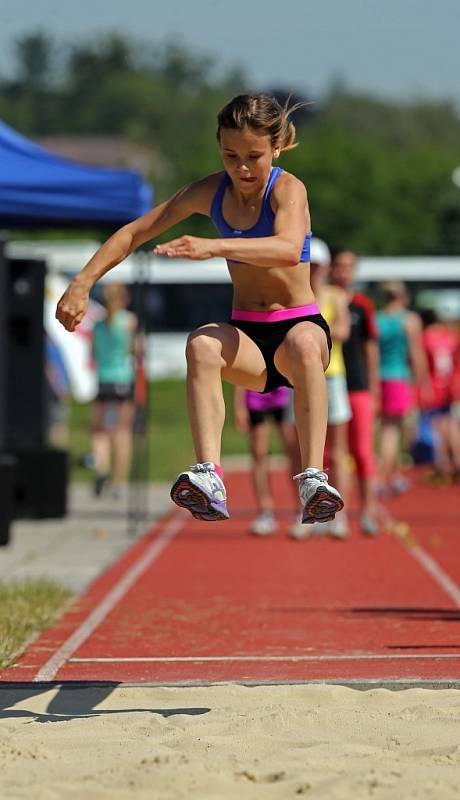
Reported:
(73, 305)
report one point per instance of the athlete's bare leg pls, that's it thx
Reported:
(288, 434)
(214, 352)
(337, 447)
(100, 439)
(302, 358)
(258, 440)
(122, 439)
(390, 437)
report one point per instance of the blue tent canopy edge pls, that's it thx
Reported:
(38, 187)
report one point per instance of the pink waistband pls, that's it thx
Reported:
(275, 316)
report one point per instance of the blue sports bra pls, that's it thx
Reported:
(263, 226)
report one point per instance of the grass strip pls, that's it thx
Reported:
(26, 608)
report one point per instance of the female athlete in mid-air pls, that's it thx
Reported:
(276, 335)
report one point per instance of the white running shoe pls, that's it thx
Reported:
(202, 492)
(298, 529)
(301, 531)
(320, 501)
(400, 484)
(338, 527)
(369, 525)
(264, 524)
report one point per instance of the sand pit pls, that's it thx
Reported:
(229, 741)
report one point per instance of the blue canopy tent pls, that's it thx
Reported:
(38, 188)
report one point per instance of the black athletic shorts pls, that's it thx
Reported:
(268, 337)
(115, 392)
(279, 415)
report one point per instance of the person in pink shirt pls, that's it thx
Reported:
(442, 348)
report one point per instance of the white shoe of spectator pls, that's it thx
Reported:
(264, 524)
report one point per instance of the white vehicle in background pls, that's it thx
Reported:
(179, 295)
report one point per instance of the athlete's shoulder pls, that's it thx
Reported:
(207, 183)
(198, 194)
(214, 178)
(287, 188)
(288, 180)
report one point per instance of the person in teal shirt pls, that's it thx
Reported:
(113, 351)
(403, 367)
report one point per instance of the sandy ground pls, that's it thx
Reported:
(229, 741)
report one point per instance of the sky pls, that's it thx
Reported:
(399, 49)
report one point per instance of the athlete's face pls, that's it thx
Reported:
(343, 269)
(247, 157)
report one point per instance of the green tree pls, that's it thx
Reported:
(377, 172)
(34, 55)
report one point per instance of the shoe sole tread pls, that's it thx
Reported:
(331, 505)
(196, 501)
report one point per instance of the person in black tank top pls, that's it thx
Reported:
(360, 354)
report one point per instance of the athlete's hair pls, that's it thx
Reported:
(336, 252)
(393, 290)
(264, 114)
(428, 316)
(116, 297)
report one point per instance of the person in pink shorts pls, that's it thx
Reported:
(253, 413)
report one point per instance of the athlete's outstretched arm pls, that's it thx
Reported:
(187, 201)
(283, 249)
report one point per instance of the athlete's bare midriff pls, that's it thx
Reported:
(270, 289)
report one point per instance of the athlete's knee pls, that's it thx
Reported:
(303, 350)
(259, 449)
(203, 349)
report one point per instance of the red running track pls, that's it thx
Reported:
(194, 602)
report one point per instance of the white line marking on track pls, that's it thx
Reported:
(197, 659)
(432, 567)
(64, 653)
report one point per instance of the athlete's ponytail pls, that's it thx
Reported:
(289, 141)
(263, 113)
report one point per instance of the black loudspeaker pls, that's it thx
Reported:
(8, 477)
(23, 387)
(41, 473)
(41, 483)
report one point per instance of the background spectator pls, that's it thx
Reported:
(113, 349)
(361, 356)
(403, 368)
(442, 346)
(253, 412)
(332, 301)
